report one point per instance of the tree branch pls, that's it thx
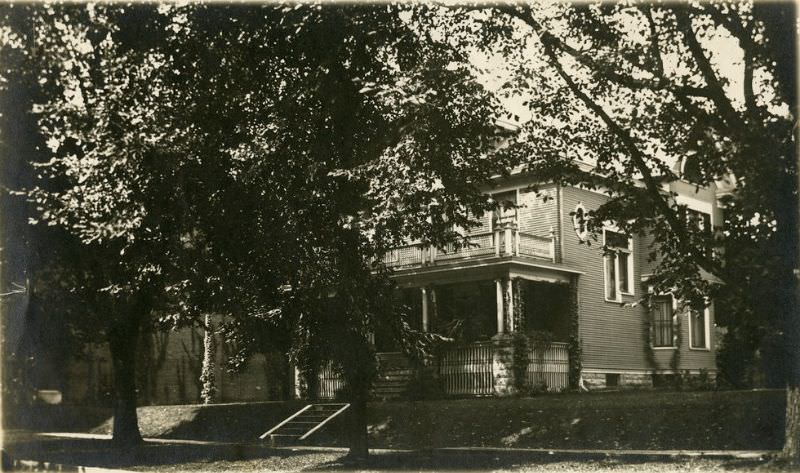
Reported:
(733, 23)
(599, 69)
(717, 93)
(675, 222)
(655, 48)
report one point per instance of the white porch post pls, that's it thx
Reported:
(424, 309)
(500, 322)
(509, 239)
(510, 305)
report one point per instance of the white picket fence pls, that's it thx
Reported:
(548, 368)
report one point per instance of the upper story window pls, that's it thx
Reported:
(579, 222)
(662, 326)
(618, 264)
(699, 219)
(691, 170)
(702, 222)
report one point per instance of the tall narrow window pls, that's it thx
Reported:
(697, 326)
(702, 222)
(661, 320)
(618, 265)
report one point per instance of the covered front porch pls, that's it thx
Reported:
(510, 327)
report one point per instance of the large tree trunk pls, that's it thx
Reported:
(791, 445)
(359, 445)
(123, 339)
(358, 365)
(208, 392)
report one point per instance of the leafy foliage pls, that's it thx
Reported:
(635, 100)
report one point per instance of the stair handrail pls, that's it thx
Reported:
(266, 434)
(319, 426)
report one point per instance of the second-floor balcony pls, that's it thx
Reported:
(506, 240)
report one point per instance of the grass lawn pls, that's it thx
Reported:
(713, 420)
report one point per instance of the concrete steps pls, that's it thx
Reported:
(303, 423)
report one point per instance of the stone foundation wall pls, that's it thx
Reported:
(639, 380)
(503, 365)
(594, 380)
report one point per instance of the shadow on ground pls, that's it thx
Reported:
(101, 453)
(253, 457)
(438, 461)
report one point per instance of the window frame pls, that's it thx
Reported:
(674, 312)
(706, 328)
(607, 258)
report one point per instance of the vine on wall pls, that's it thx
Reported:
(519, 305)
(675, 361)
(647, 335)
(520, 361)
(574, 342)
(677, 338)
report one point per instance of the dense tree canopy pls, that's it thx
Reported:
(251, 160)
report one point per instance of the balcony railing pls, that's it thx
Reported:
(505, 241)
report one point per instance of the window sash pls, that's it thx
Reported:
(662, 323)
(611, 276)
(697, 325)
(623, 260)
(618, 264)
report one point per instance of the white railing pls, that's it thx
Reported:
(477, 244)
(505, 241)
(468, 370)
(548, 368)
(536, 246)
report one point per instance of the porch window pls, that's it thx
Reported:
(661, 320)
(618, 262)
(698, 332)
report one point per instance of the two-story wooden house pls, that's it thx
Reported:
(534, 303)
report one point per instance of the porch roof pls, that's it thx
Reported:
(472, 269)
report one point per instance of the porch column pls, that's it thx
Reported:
(510, 305)
(424, 309)
(500, 323)
(509, 239)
